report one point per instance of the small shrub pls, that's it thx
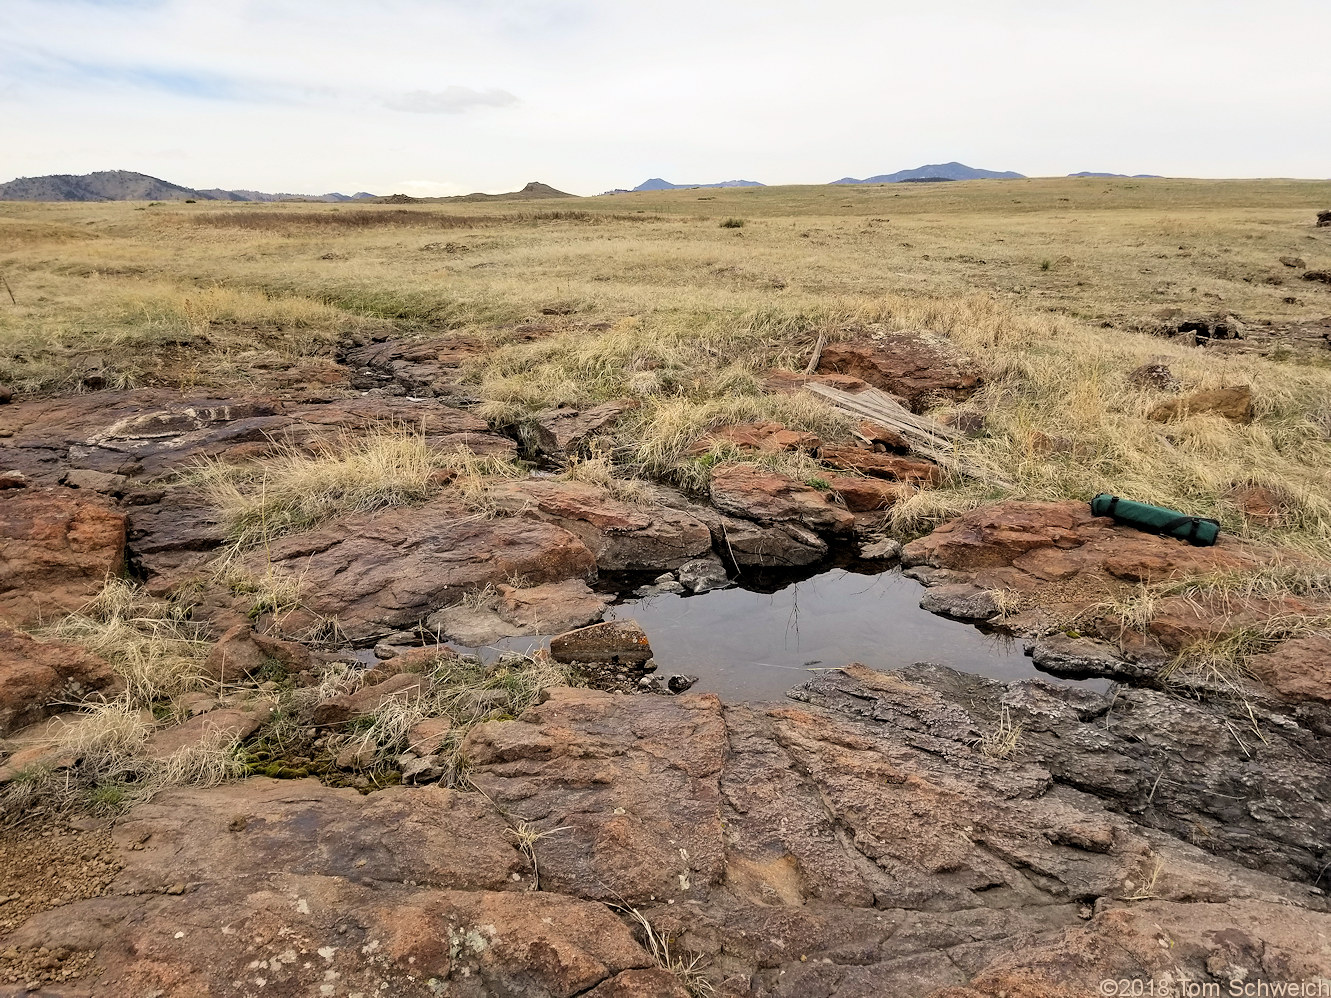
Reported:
(732, 223)
(1046, 264)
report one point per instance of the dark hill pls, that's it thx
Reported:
(935, 171)
(125, 185)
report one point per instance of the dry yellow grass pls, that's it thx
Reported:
(697, 313)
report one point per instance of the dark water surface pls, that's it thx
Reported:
(749, 645)
(756, 645)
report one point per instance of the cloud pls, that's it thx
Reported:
(450, 100)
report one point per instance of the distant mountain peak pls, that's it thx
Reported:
(935, 171)
(657, 184)
(126, 185)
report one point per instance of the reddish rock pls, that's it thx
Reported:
(1299, 667)
(1234, 404)
(616, 642)
(890, 466)
(868, 495)
(631, 781)
(423, 659)
(56, 550)
(565, 430)
(1262, 504)
(214, 728)
(242, 652)
(428, 737)
(909, 365)
(789, 382)
(621, 536)
(367, 701)
(884, 436)
(13, 480)
(34, 675)
(758, 436)
(757, 493)
(651, 983)
(1068, 561)
(390, 570)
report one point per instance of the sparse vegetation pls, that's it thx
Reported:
(297, 489)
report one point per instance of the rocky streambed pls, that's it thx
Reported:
(997, 828)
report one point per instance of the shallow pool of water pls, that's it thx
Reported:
(747, 645)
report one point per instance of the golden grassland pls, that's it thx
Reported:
(1051, 286)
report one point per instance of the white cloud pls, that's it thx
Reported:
(309, 95)
(450, 100)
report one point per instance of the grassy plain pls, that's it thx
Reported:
(1051, 286)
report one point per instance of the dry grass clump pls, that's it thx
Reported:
(298, 489)
(467, 692)
(600, 472)
(109, 770)
(1000, 741)
(151, 645)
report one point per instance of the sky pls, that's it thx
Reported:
(436, 97)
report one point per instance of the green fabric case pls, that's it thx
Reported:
(1157, 519)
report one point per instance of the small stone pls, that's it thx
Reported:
(703, 574)
(881, 549)
(176, 888)
(679, 683)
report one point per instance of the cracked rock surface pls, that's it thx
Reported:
(859, 841)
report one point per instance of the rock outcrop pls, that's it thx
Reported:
(57, 548)
(878, 837)
(917, 368)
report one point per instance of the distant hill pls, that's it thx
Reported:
(534, 191)
(125, 185)
(657, 184)
(1126, 176)
(935, 171)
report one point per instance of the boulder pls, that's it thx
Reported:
(1155, 376)
(240, 651)
(1234, 404)
(962, 602)
(368, 700)
(621, 536)
(428, 736)
(1320, 276)
(36, 675)
(94, 481)
(1299, 667)
(869, 495)
(563, 431)
(917, 367)
(57, 549)
(548, 609)
(1324, 218)
(757, 493)
(703, 574)
(616, 642)
(1295, 262)
(13, 480)
(214, 729)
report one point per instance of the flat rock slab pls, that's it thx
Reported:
(383, 572)
(631, 781)
(57, 548)
(621, 536)
(859, 843)
(753, 492)
(548, 609)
